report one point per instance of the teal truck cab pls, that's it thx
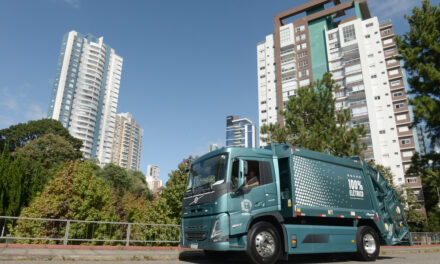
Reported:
(282, 200)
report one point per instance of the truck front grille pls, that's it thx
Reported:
(196, 236)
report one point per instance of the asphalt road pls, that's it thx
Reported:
(189, 258)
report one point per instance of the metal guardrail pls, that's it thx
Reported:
(63, 231)
(425, 238)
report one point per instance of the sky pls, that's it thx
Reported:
(187, 64)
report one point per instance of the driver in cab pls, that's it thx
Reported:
(252, 179)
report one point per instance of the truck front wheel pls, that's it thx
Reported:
(367, 242)
(264, 244)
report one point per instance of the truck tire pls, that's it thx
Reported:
(263, 244)
(367, 242)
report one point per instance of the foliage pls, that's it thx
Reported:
(175, 188)
(74, 193)
(20, 180)
(312, 121)
(49, 150)
(428, 168)
(415, 218)
(18, 135)
(122, 181)
(420, 50)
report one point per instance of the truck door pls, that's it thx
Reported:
(258, 185)
(237, 206)
(257, 193)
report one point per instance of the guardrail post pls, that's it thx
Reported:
(127, 242)
(66, 234)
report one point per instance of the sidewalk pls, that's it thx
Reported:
(20, 252)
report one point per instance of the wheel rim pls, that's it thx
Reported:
(369, 243)
(265, 244)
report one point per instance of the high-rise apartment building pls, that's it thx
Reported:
(152, 178)
(240, 132)
(344, 39)
(85, 93)
(127, 142)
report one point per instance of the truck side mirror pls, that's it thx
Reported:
(243, 172)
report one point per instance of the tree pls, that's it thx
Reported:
(175, 188)
(428, 168)
(18, 135)
(415, 218)
(139, 185)
(313, 121)
(117, 178)
(420, 51)
(73, 193)
(49, 150)
(20, 180)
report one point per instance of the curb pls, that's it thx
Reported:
(149, 248)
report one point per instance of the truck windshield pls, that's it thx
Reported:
(208, 171)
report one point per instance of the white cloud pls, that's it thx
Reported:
(34, 112)
(10, 103)
(391, 8)
(73, 3)
(18, 105)
(6, 121)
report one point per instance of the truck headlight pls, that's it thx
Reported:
(216, 232)
(220, 227)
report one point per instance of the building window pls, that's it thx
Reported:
(367, 36)
(406, 141)
(398, 94)
(262, 76)
(373, 76)
(377, 97)
(398, 106)
(389, 51)
(395, 83)
(263, 102)
(349, 33)
(300, 28)
(332, 36)
(369, 24)
(285, 35)
(403, 129)
(302, 54)
(382, 132)
(407, 154)
(386, 31)
(411, 180)
(303, 63)
(393, 72)
(388, 41)
(304, 82)
(370, 55)
(401, 117)
(304, 73)
(300, 37)
(263, 111)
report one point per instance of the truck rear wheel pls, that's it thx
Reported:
(367, 242)
(264, 244)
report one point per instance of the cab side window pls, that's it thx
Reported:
(259, 173)
(234, 174)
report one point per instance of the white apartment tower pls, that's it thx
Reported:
(152, 178)
(359, 52)
(85, 93)
(127, 142)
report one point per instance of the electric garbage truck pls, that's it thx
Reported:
(281, 200)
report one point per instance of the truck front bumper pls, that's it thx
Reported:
(206, 232)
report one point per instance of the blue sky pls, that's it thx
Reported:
(187, 64)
